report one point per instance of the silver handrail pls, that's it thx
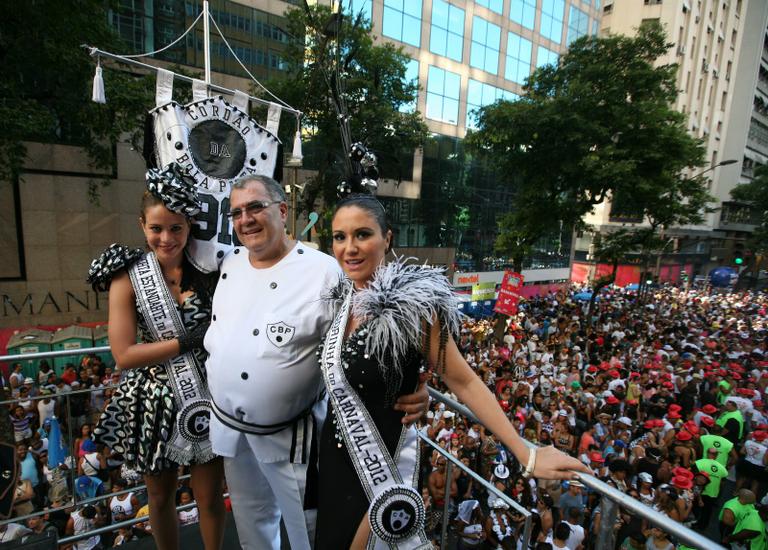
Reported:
(610, 497)
(483, 482)
(47, 354)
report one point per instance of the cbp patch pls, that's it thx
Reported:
(280, 333)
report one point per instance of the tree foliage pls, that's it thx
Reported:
(597, 125)
(334, 60)
(755, 194)
(45, 92)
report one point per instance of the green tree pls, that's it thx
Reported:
(334, 64)
(45, 92)
(597, 125)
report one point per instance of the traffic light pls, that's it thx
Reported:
(738, 254)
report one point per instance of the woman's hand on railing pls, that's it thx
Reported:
(554, 464)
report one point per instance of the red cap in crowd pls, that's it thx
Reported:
(612, 400)
(703, 474)
(613, 373)
(708, 421)
(675, 407)
(759, 435)
(709, 409)
(592, 368)
(679, 471)
(674, 415)
(668, 385)
(596, 457)
(682, 482)
(683, 436)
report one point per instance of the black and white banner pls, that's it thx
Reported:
(189, 441)
(215, 142)
(396, 512)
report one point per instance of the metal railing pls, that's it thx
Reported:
(611, 498)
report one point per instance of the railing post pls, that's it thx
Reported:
(609, 511)
(527, 528)
(446, 502)
(71, 450)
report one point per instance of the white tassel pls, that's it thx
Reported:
(98, 87)
(297, 146)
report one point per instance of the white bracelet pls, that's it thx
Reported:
(531, 463)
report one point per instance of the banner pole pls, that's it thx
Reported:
(207, 41)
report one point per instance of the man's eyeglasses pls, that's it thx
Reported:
(253, 207)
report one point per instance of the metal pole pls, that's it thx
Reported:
(609, 511)
(446, 502)
(73, 453)
(293, 201)
(527, 528)
(207, 41)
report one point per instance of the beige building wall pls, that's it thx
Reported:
(717, 47)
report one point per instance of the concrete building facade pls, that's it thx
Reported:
(720, 49)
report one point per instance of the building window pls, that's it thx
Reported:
(552, 14)
(578, 24)
(594, 27)
(523, 12)
(486, 41)
(411, 75)
(402, 21)
(480, 94)
(447, 30)
(443, 91)
(519, 51)
(545, 56)
(493, 5)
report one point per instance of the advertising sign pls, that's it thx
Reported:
(509, 294)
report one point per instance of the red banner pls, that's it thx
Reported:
(509, 293)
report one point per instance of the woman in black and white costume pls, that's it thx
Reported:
(393, 320)
(155, 419)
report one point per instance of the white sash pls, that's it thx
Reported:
(396, 512)
(189, 440)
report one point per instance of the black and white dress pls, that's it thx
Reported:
(382, 360)
(139, 419)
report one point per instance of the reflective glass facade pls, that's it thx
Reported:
(447, 30)
(552, 15)
(578, 24)
(257, 37)
(493, 5)
(523, 12)
(443, 93)
(402, 21)
(546, 57)
(518, 65)
(486, 42)
(363, 7)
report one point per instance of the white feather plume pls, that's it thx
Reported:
(400, 297)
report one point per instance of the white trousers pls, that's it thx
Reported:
(262, 493)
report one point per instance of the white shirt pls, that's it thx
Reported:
(754, 452)
(577, 536)
(266, 327)
(45, 410)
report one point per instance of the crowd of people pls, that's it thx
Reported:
(76, 398)
(661, 399)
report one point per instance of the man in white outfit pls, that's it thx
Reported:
(267, 392)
